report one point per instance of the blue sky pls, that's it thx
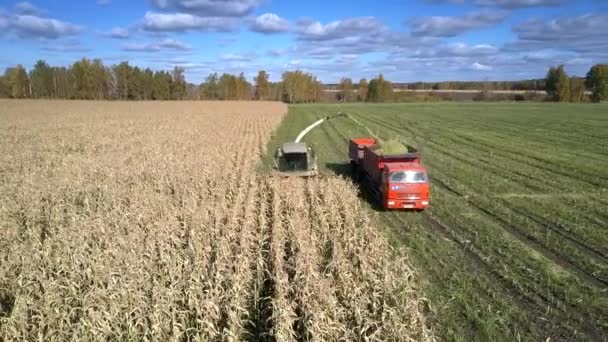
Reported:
(417, 40)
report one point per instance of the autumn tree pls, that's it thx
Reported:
(226, 85)
(231, 87)
(41, 80)
(242, 87)
(135, 84)
(379, 90)
(162, 86)
(597, 82)
(147, 83)
(18, 82)
(62, 84)
(262, 86)
(558, 84)
(5, 90)
(577, 89)
(362, 90)
(122, 73)
(209, 88)
(345, 90)
(81, 79)
(276, 91)
(99, 78)
(300, 87)
(178, 86)
(291, 84)
(89, 79)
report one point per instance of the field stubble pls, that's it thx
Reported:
(139, 221)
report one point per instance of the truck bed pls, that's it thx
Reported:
(362, 152)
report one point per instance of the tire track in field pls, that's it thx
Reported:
(560, 229)
(515, 130)
(533, 302)
(598, 252)
(592, 331)
(509, 156)
(575, 243)
(529, 160)
(495, 170)
(525, 296)
(518, 232)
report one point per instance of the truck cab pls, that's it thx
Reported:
(405, 185)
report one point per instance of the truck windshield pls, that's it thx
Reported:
(408, 177)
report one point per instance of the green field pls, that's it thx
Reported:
(515, 245)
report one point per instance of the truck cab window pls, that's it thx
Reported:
(408, 177)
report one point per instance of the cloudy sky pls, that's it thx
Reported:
(407, 40)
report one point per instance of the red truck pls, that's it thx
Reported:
(398, 181)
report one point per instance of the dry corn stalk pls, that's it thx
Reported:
(148, 221)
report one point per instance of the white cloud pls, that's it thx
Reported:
(462, 49)
(564, 29)
(480, 67)
(510, 4)
(209, 8)
(66, 47)
(174, 44)
(579, 61)
(235, 57)
(584, 34)
(449, 50)
(141, 47)
(26, 8)
(190, 66)
(269, 23)
(340, 28)
(4, 20)
(34, 26)
(117, 33)
(179, 22)
(168, 43)
(276, 52)
(450, 26)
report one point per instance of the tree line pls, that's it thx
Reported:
(91, 79)
(532, 85)
(562, 88)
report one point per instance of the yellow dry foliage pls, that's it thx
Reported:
(149, 221)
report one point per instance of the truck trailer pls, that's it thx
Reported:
(397, 181)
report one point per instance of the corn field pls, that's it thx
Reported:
(150, 221)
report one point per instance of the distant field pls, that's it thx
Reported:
(149, 221)
(516, 242)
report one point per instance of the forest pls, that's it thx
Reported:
(92, 80)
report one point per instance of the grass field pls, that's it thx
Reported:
(148, 221)
(515, 245)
